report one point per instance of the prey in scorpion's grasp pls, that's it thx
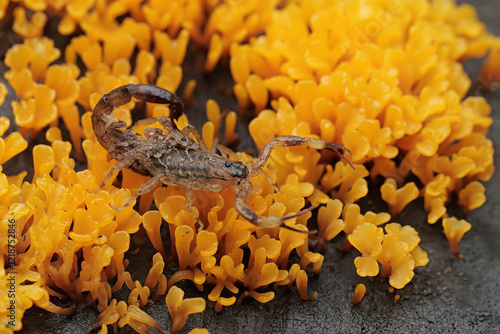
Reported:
(174, 158)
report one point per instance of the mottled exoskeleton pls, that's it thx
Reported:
(174, 158)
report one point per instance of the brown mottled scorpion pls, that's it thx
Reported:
(176, 159)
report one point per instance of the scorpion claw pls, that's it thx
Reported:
(324, 145)
(273, 221)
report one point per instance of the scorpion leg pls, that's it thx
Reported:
(242, 197)
(180, 136)
(283, 141)
(120, 165)
(189, 203)
(183, 136)
(190, 129)
(227, 152)
(166, 122)
(152, 133)
(287, 141)
(146, 187)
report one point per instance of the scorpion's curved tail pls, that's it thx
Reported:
(107, 131)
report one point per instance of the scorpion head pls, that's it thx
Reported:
(236, 168)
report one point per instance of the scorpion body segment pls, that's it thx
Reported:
(189, 165)
(172, 157)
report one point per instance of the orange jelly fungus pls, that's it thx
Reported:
(397, 199)
(180, 308)
(454, 230)
(310, 68)
(359, 293)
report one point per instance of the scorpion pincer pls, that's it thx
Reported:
(174, 158)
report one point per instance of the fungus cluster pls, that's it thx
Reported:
(342, 71)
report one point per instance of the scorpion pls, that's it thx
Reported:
(174, 158)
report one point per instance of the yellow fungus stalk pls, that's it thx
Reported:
(359, 293)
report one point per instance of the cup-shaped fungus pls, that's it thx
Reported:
(454, 230)
(472, 196)
(310, 257)
(396, 262)
(353, 219)
(299, 277)
(139, 295)
(435, 196)
(367, 238)
(410, 236)
(127, 219)
(329, 224)
(290, 240)
(180, 308)
(28, 28)
(396, 198)
(352, 184)
(11, 145)
(34, 54)
(38, 111)
(261, 273)
(120, 242)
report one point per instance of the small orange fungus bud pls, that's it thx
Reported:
(3, 93)
(155, 272)
(240, 68)
(28, 28)
(241, 96)
(359, 293)
(214, 52)
(208, 134)
(257, 92)
(230, 135)
(188, 91)
(199, 331)
(213, 114)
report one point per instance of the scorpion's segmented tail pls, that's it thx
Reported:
(109, 132)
